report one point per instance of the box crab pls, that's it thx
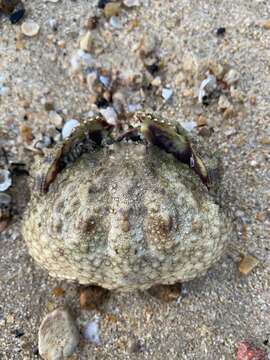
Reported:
(133, 211)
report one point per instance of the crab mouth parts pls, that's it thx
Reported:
(96, 133)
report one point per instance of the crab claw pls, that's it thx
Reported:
(165, 137)
(85, 137)
(174, 140)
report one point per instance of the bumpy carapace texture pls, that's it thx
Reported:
(126, 216)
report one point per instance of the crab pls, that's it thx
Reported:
(136, 210)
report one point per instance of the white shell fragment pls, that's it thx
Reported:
(167, 93)
(207, 86)
(79, 60)
(86, 42)
(5, 180)
(189, 125)
(116, 23)
(109, 115)
(30, 28)
(68, 127)
(58, 335)
(232, 77)
(131, 3)
(91, 332)
(104, 80)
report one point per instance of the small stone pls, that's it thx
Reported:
(45, 142)
(116, 23)
(135, 346)
(58, 291)
(86, 42)
(119, 102)
(102, 3)
(266, 24)
(109, 115)
(166, 293)
(5, 203)
(3, 225)
(224, 103)
(92, 297)
(148, 45)
(30, 28)
(201, 121)
(188, 125)
(52, 1)
(131, 3)
(207, 87)
(55, 118)
(253, 100)
(17, 14)
(91, 80)
(231, 77)
(80, 60)
(49, 106)
(112, 9)
(91, 332)
(167, 93)
(91, 22)
(69, 127)
(58, 335)
(221, 31)
(247, 264)
(26, 134)
(246, 351)
(156, 81)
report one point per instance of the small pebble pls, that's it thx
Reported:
(116, 23)
(134, 107)
(102, 3)
(80, 60)
(207, 86)
(221, 31)
(112, 9)
(58, 335)
(91, 332)
(17, 14)
(44, 143)
(247, 264)
(55, 118)
(30, 28)
(86, 42)
(5, 205)
(5, 179)
(148, 45)
(69, 127)
(131, 3)
(246, 351)
(189, 125)
(91, 22)
(52, 1)
(266, 24)
(92, 297)
(224, 103)
(104, 80)
(58, 291)
(167, 93)
(109, 115)
(231, 77)
(166, 293)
